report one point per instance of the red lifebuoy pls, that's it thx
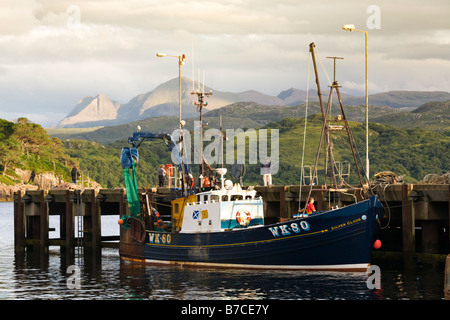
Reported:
(190, 181)
(243, 217)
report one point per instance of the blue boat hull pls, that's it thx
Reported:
(341, 239)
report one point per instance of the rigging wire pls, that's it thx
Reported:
(321, 64)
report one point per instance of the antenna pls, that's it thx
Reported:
(193, 77)
(201, 95)
(334, 58)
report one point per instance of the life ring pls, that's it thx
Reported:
(190, 181)
(243, 217)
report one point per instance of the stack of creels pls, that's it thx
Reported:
(437, 178)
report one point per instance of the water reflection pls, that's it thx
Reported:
(40, 274)
(406, 278)
(185, 283)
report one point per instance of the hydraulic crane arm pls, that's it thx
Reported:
(139, 136)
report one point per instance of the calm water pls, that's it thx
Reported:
(40, 276)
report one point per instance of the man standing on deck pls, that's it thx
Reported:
(265, 171)
(161, 175)
(310, 206)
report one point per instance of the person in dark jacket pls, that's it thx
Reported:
(75, 175)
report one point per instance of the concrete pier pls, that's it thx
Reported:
(33, 209)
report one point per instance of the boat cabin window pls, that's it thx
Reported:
(215, 197)
(225, 197)
(236, 197)
(176, 208)
(248, 197)
(202, 198)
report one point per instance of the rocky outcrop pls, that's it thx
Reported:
(28, 180)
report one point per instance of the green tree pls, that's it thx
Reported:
(9, 146)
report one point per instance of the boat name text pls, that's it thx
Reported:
(159, 238)
(287, 229)
(345, 224)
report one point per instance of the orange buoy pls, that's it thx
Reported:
(120, 221)
(377, 244)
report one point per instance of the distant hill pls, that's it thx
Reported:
(163, 101)
(111, 134)
(91, 110)
(399, 99)
(293, 97)
(411, 153)
(431, 116)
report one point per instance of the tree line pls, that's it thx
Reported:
(27, 145)
(411, 153)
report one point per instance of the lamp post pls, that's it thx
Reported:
(181, 60)
(351, 27)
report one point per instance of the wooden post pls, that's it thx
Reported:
(408, 233)
(447, 278)
(283, 211)
(70, 221)
(319, 201)
(96, 225)
(430, 236)
(43, 232)
(19, 222)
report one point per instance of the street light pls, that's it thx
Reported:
(348, 27)
(351, 27)
(181, 60)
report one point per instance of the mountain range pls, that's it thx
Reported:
(163, 101)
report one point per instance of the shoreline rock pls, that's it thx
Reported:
(40, 181)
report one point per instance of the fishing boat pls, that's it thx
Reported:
(225, 227)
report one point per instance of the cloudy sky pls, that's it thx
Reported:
(55, 52)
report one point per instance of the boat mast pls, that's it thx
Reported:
(326, 128)
(324, 132)
(201, 95)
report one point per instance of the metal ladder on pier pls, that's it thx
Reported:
(80, 226)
